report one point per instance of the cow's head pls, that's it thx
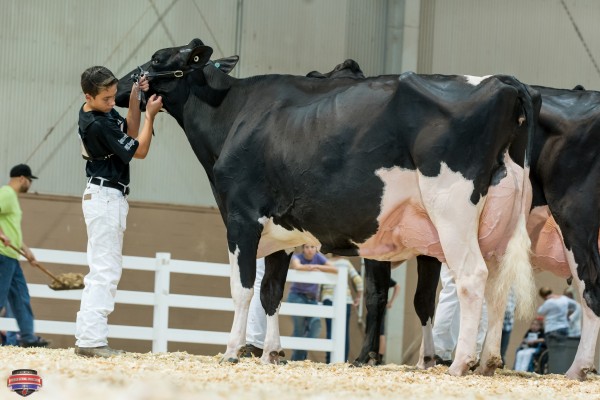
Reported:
(170, 71)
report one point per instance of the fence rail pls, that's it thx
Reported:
(161, 299)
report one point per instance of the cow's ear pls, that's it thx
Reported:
(200, 56)
(226, 64)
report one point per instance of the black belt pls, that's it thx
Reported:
(106, 183)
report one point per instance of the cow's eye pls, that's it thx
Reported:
(154, 61)
(196, 59)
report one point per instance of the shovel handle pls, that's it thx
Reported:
(35, 263)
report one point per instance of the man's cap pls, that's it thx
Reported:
(21, 170)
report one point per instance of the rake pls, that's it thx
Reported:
(68, 281)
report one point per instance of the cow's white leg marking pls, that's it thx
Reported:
(427, 352)
(446, 199)
(241, 303)
(272, 340)
(590, 326)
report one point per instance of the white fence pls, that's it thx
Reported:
(160, 333)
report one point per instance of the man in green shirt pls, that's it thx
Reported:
(13, 288)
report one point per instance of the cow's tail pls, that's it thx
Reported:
(515, 266)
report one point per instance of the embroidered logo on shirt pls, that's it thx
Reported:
(128, 145)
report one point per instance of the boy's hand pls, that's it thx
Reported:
(143, 83)
(153, 105)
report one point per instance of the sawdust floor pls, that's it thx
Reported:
(185, 376)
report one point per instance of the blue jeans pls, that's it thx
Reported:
(14, 289)
(11, 337)
(328, 326)
(308, 327)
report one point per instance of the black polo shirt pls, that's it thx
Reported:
(106, 142)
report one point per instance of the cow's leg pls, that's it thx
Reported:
(428, 270)
(242, 258)
(447, 201)
(271, 293)
(496, 304)
(590, 326)
(377, 286)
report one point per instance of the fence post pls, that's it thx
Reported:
(338, 325)
(160, 322)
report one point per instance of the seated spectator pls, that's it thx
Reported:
(533, 343)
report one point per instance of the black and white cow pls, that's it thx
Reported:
(564, 222)
(387, 168)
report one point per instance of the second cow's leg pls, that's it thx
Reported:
(377, 286)
(428, 270)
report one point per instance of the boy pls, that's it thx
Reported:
(109, 142)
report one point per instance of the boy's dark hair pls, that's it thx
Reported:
(95, 79)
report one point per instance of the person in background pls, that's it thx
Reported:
(507, 325)
(533, 343)
(306, 293)
(446, 322)
(575, 316)
(13, 287)
(382, 341)
(327, 292)
(256, 328)
(555, 310)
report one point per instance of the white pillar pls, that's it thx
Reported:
(338, 324)
(162, 282)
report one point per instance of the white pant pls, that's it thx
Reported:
(446, 322)
(105, 211)
(523, 359)
(257, 318)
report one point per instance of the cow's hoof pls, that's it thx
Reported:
(374, 359)
(229, 360)
(458, 370)
(488, 368)
(578, 374)
(426, 363)
(275, 358)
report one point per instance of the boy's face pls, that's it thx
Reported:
(104, 101)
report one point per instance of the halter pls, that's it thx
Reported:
(174, 74)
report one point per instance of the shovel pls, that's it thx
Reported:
(67, 281)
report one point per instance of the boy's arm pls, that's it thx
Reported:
(134, 113)
(153, 106)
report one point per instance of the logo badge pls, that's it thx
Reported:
(24, 382)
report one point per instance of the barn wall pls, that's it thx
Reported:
(534, 40)
(46, 46)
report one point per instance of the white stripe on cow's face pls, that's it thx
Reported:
(274, 238)
(475, 80)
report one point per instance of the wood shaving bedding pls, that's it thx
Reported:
(184, 376)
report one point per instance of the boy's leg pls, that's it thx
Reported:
(105, 216)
